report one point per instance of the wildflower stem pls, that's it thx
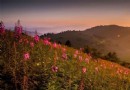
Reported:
(14, 70)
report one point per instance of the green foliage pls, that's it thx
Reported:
(94, 52)
(112, 56)
(125, 64)
(59, 42)
(35, 73)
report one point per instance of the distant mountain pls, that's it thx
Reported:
(105, 38)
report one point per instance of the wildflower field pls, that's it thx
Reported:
(31, 63)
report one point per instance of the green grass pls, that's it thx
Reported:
(36, 72)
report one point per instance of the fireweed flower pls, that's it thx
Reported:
(31, 44)
(26, 56)
(59, 45)
(76, 52)
(119, 71)
(64, 56)
(26, 41)
(54, 45)
(2, 28)
(126, 72)
(96, 69)
(46, 41)
(112, 65)
(64, 49)
(84, 70)
(87, 60)
(81, 49)
(54, 68)
(89, 55)
(21, 40)
(36, 38)
(18, 28)
(80, 58)
(75, 55)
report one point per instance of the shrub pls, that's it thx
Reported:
(112, 56)
(68, 43)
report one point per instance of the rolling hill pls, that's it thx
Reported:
(107, 38)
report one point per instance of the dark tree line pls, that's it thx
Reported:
(111, 56)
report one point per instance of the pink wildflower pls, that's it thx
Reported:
(76, 52)
(20, 41)
(54, 45)
(54, 68)
(81, 49)
(84, 70)
(26, 41)
(59, 45)
(26, 56)
(126, 72)
(80, 58)
(36, 38)
(18, 29)
(64, 49)
(2, 28)
(75, 55)
(89, 55)
(96, 69)
(119, 71)
(112, 65)
(64, 56)
(31, 44)
(87, 60)
(46, 41)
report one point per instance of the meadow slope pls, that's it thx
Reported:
(31, 63)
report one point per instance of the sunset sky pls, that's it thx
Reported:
(60, 15)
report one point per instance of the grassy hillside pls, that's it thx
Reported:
(109, 38)
(30, 63)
